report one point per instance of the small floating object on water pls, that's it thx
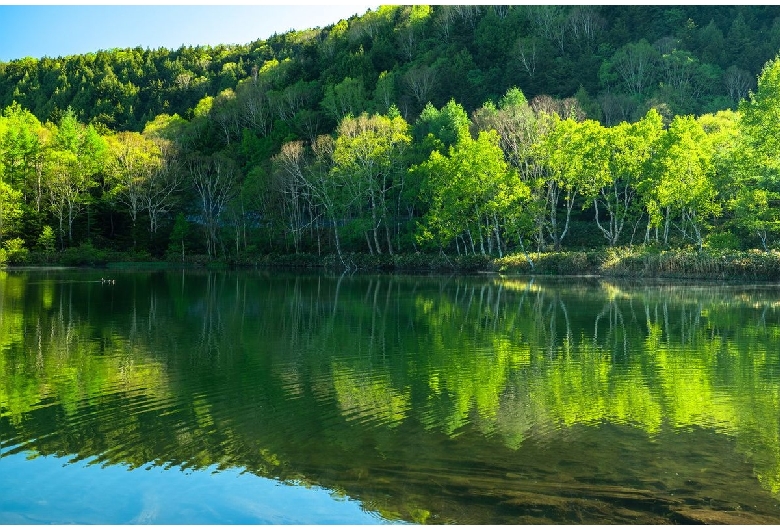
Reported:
(106, 280)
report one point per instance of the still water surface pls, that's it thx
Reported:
(248, 397)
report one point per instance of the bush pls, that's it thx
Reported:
(722, 241)
(84, 255)
(47, 240)
(14, 252)
(473, 263)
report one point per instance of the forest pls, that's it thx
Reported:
(409, 130)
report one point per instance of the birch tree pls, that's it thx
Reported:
(76, 157)
(367, 151)
(684, 192)
(215, 180)
(629, 147)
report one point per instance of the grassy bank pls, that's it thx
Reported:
(637, 262)
(651, 263)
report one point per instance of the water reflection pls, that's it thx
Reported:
(468, 400)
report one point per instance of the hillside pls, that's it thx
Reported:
(694, 59)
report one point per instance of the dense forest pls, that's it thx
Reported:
(468, 130)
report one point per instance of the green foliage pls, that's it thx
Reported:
(759, 127)
(554, 263)
(296, 162)
(480, 55)
(14, 251)
(446, 126)
(84, 255)
(176, 246)
(647, 262)
(469, 190)
(47, 239)
(723, 241)
(10, 209)
(683, 171)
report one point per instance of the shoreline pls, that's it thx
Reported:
(626, 263)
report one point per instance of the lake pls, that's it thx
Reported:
(253, 397)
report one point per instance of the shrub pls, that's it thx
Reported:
(722, 241)
(84, 255)
(15, 251)
(473, 263)
(47, 239)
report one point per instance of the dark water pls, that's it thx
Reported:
(198, 397)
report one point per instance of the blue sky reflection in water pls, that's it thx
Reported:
(50, 490)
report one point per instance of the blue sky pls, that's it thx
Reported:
(59, 30)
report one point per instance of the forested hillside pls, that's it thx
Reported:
(468, 129)
(694, 59)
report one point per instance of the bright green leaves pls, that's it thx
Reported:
(760, 123)
(440, 129)
(574, 157)
(757, 211)
(343, 99)
(470, 190)
(370, 144)
(629, 147)
(76, 156)
(367, 155)
(10, 209)
(141, 176)
(683, 178)
(20, 153)
(20, 145)
(756, 163)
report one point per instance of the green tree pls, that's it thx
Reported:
(632, 67)
(440, 128)
(759, 128)
(10, 209)
(325, 186)
(133, 160)
(344, 99)
(473, 194)
(47, 239)
(20, 145)
(629, 146)
(682, 169)
(77, 155)
(367, 151)
(756, 210)
(574, 159)
(384, 92)
(755, 165)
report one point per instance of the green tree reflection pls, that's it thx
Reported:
(345, 381)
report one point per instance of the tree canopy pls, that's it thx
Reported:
(439, 128)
